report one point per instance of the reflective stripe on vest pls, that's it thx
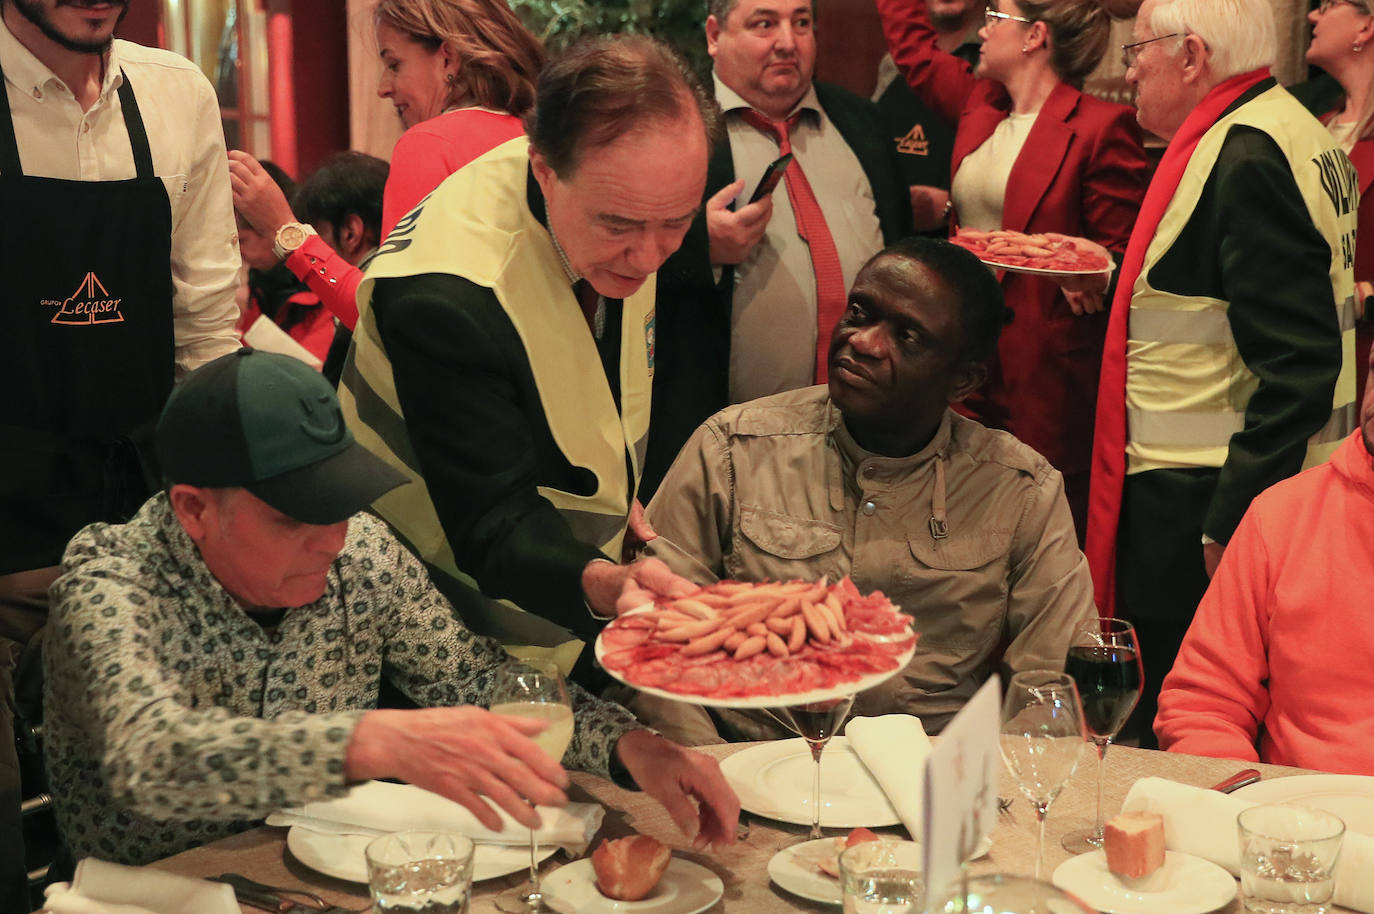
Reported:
(1187, 388)
(476, 225)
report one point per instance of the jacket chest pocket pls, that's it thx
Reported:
(781, 546)
(958, 588)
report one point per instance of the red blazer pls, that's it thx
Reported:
(1082, 171)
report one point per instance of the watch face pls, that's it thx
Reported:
(292, 237)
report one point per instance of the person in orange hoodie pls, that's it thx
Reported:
(1275, 667)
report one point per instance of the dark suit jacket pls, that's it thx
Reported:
(692, 348)
(1082, 171)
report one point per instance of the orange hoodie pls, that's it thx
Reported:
(1281, 652)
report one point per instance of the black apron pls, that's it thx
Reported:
(86, 289)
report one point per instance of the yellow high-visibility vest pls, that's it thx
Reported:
(476, 225)
(1187, 387)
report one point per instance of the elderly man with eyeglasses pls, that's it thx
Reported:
(1229, 357)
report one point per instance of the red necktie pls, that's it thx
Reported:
(831, 294)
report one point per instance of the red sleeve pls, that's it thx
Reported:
(1114, 182)
(334, 280)
(419, 163)
(1214, 699)
(943, 81)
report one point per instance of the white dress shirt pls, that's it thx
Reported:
(773, 313)
(181, 115)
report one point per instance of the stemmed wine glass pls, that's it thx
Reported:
(1104, 661)
(815, 722)
(535, 689)
(1041, 738)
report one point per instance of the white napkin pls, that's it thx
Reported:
(379, 807)
(1203, 823)
(894, 748)
(109, 888)
(267, 336)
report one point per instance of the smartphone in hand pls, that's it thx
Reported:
(771, 176)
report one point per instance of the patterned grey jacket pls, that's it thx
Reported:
(172, 718)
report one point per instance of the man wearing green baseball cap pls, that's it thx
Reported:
(220, 655)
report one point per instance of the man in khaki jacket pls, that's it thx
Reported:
(876, 477)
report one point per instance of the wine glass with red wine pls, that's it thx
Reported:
(815, 722)
(1104, 660)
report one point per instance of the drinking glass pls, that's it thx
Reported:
(1288, 859)
(420, 871)
(533, 688)
(1104, 661)
(1008, 895)
(1041, 739)
(881, 877)
(815, 722)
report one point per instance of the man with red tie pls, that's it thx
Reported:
(747, 304)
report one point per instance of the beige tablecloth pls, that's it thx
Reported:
(262, 853)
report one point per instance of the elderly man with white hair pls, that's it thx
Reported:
(1229, 357)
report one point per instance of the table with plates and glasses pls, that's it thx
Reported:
(743, 868)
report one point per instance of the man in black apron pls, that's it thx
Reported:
(88, 298)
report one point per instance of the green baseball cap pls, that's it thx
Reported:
(272, 425)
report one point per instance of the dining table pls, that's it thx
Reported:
(262, 854)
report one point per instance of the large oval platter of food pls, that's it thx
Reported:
(1045, 254)
(740, 645)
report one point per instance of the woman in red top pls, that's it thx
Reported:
(461, 74)
(1343, 46)
(1041, 156)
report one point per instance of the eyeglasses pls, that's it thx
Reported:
(1130, 53)
(1326, 5)
(992, 17)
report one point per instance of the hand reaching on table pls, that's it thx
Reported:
(688, 784)
(467, 754)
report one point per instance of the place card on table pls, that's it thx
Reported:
(961, 779)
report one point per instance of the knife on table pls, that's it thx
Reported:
(1243, 778)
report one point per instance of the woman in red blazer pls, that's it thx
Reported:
(1343, 46)
(1041, 157)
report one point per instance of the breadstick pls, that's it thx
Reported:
(757, 628)
(790, 606)
(837, 612)
(779, 625)
(776, 646)
(798, 635)
(730, 588)
(693, 608)
(735, 640)
(713, 600)
(707, 643)
(743, 617)
(815, 622)
(691, 630)
(827, 615)
(750, 647)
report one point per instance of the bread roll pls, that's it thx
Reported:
(627, 869)
(1134, 842)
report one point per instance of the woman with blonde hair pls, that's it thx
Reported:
(461, 74)
(1033, 153)
(1343, 46)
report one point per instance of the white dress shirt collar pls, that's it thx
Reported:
(730, 100)
(30, 75)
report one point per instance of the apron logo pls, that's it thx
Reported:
(89, 304)
(915, 142)
(649, 342)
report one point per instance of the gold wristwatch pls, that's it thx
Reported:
(290, 237)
